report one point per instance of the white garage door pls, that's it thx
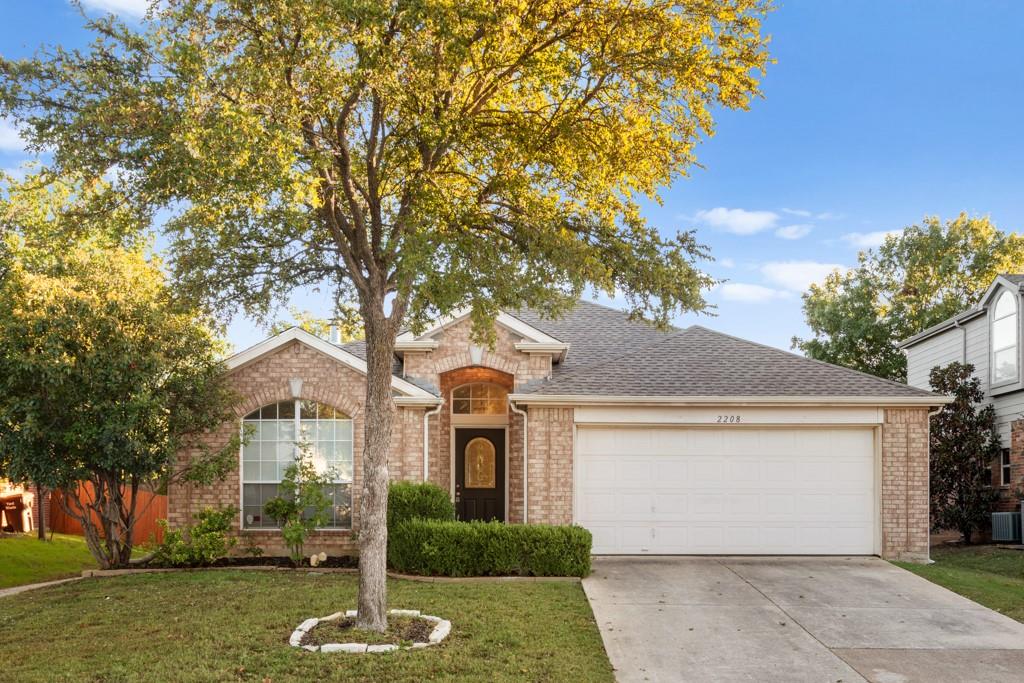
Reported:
(740, 490)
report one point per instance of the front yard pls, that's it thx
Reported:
(991, 576)
(230, 625)
(26, 559)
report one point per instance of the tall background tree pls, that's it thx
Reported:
(104, 378)
(420, 155)
(916, 279)
(964, 444)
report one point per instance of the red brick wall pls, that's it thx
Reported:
(904, 494)
(1008, 500)
(265, 381)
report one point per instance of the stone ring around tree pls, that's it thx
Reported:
(436, 630)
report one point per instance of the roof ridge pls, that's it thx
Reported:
(868, 375)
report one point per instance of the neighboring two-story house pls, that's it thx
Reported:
(988, 337)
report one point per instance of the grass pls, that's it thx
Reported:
(231, 625)
(990, 576)
(26, 559)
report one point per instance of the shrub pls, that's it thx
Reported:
(200, 544)
(447, 548)
(407, 500)
(304, 506)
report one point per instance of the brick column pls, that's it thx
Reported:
(550, 465)
(904, 494)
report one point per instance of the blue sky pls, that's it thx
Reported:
(876, 114)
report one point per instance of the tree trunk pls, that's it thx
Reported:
(41, 522)
(379, 413)
(968, 534)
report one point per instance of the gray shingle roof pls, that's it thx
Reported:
(595, 333)
(701, 362)
(611, 355)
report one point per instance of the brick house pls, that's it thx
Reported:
(988, 336)
(662, 442)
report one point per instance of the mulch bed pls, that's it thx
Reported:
(332, 562)
(401, 630)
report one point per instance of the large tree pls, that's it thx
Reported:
(964, 444)
(423, 155)
(104, 378)
(916, 279)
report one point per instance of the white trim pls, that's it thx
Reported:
(578, 399)
(561, 348)
(325, 347)
(1015, 346)
(416, 401)
(295, 444)
(416, 345)
(997, 283)
(722, 416)
(504, 319)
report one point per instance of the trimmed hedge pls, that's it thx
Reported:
(407, 500)
(442, 548)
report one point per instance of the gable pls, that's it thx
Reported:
(296, 334)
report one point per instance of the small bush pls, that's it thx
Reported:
(447, 548)
(407, 500)
(198, 545)
(304, 507)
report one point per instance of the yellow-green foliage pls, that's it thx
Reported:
(483, 152)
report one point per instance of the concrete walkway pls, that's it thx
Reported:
(14, 590)
(794, 619)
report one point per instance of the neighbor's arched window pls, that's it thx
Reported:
(479, 398)
(275, 433)
(1004, 339)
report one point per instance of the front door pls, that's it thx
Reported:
(480, 474)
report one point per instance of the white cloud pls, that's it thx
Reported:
(738, 221)
(794, 232)
(796, 276)
(726, 263)
(804, 213)
(10, 137)
(747, 293)
(868, 240)
(135, 8)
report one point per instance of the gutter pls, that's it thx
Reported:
(948, 324)
(590, 399)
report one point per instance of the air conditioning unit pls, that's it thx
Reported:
(1006, 527)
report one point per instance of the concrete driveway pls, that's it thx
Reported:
(794, 619)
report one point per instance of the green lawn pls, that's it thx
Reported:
(988, 575)
(230, 625)
(26, 559)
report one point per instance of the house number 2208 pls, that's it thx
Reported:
(728, 419)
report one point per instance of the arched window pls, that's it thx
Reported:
(1004, 339)
(275, 433)
(479, 398)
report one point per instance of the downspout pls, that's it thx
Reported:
(963, 350)
(519, 411)
(427, 414)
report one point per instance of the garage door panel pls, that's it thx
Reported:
(768, 491)
(669, 505)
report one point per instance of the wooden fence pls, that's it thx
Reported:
(149, 508)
